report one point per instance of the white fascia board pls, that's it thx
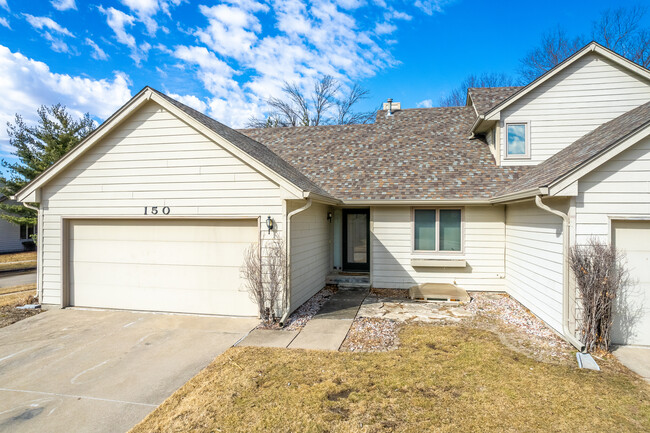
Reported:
(519, 195)
(570, 190)
(25, 194)
(358, 203)
(319, 198)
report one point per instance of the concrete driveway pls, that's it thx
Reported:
(102, 371)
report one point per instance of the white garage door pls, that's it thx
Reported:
(187, 266)
(632, 315)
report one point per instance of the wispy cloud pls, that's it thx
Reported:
(41, 23)
(118, 21)
(430, 7)
(3, 4)
(97, 53)
(426, 103)
(4, 22)
(64, 5)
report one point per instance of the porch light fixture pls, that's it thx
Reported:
(269, 223)
(329, 216)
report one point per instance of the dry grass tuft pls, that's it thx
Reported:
(10, 298)
(442, 378)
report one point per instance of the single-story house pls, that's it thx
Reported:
(154, 210)
(13, 237)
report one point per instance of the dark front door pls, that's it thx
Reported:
(356, 240)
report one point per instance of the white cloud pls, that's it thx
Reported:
(190, 101)
(4, 23)
(3, 4)
(215, 74)
(232, 30)
(57, 45)
(27, 84)
(97, 53)
(385, 28)
(427, 103)
(118, 21)
(430, 7)
(63, 5)
(146, 10)
(47, 23)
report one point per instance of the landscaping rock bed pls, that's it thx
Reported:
(299, 318)
(371, 335)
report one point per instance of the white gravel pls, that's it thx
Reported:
(299, 318)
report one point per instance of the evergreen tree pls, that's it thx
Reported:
(37, 148)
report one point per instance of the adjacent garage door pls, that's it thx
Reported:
(632, 319)
(187, 266)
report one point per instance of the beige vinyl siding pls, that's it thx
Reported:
(152, 159)
(618, 188)
(9, 237)
(391, 240)
(534, 264)
(310, 252)
(585, 95)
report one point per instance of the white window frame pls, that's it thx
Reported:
(438, 251)
(526, 155)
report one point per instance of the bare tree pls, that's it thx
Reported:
(266, 273)
(458, 96)
(619, 29)
(600, 275)
(555, 47)
(325, 105)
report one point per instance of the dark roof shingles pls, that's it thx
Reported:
(484, 98)
(581, 151)
(416, 154)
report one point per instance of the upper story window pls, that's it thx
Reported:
(437, 230)
(517, 140)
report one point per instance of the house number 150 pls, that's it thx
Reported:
(153, 210)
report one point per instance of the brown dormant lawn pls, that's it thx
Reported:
(442, 378)
(10, 262)
(10, 297)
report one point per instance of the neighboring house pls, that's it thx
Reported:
(154, 210)
(13, 237)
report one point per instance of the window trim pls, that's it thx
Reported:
(437, 252)
(526, 154)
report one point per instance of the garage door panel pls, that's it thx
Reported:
(632, 311)
(163, 253)
(192, 231)
(188, 266)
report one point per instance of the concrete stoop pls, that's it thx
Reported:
(348, 280)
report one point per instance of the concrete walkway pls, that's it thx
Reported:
(635, 358)
(325, 331)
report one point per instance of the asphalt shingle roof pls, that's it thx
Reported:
(484, 98)
(581, 151)
(416, 154)
(256, 150)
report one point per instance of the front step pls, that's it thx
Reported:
(345, 280)
(353, 286)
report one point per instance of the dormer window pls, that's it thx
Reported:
(517, 140)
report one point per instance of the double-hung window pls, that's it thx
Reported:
(27, 231)
(437, 230)
(517, 141)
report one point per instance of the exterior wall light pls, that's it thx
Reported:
(329, 216)
(270, 223)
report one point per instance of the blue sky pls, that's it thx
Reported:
(226, 57)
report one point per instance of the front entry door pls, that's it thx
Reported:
(356, 240)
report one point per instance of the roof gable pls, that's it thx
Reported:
(592, 47)
(582, 151)
(484, 98)
(243, 147)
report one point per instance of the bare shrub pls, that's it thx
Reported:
(266, 274)
(600, 273)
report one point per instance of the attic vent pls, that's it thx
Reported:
(391, 107)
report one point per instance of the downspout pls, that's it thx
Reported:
(287, 291)
(566, 226)
(39, 250)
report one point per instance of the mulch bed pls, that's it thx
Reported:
(9, 314)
